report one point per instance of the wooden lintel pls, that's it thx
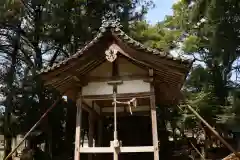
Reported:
(139, 149)
(114, 78)
(115, 82)
(119, 96)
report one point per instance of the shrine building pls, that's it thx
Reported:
(118, 82)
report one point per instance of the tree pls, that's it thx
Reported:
(39, 33)
(11, 33)
(207, 31)
(156, 36)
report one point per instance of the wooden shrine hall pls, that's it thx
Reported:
(117, 80)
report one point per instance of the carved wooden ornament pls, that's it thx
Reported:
(111, 54)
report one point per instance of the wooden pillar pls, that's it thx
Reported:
(78, 127)
(100, 132)
(154, 119)
(90, 133)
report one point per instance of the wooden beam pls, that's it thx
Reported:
(139, 149)
(154, 120)
(92, 106)
(78, 127)
(96, 150)
(89, 109)
(96, 107)
(119, 96)
(123, 78)
(91, 130)
(136, 149)
(99, 132)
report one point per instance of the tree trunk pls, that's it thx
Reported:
(126, 17)
(36, 37)
(70, 128)
(163, 134)
(10, 95)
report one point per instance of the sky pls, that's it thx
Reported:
(157, 14)
(162, 8)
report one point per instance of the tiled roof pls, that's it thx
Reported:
(115, 28)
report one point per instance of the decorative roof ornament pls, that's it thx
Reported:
(111, 19)
(111, 54)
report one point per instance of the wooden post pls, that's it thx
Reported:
(90, 133)
(78, 127)
(154, 119)
(100, 132)
(115, 72)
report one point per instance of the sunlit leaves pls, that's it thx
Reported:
(156, 36)
(191, 44)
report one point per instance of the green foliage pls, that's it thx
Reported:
(191, 44)
(198, 79)
(156, 36)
